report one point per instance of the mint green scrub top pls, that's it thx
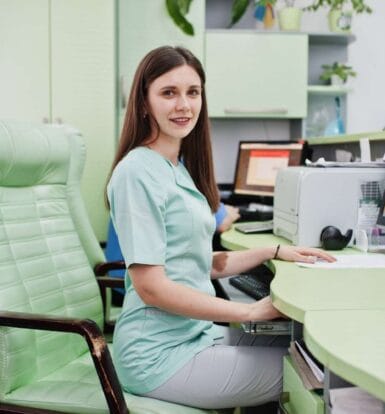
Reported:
(161, 219)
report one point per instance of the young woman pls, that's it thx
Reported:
(166, 345)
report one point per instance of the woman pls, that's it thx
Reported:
(165, 343)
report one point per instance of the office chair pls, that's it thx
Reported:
(53, 356)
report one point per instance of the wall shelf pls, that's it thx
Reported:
(328, 90)
(331, 38)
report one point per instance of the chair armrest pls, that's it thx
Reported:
(96, 343)
(106, 282)
(7, 408)
(102, 269)
(110, 282)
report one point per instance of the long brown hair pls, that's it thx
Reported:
(196, 149)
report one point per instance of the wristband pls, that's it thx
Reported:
(276, 252)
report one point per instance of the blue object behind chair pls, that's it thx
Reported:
(113, 253)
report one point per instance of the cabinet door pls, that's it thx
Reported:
(145, 25)
(301, 400)
(256, 75)
(83, 89)
(24, 60)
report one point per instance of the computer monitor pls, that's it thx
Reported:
(381, 214)
(259, 162)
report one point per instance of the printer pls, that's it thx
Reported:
(307, 199)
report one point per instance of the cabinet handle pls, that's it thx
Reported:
(277, 111)
(284, 398)
(58, 121)
(124, 91)
(45, 120)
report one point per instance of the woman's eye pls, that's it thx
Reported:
(195, 92)
(168, 92)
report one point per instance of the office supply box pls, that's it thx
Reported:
(307, 199)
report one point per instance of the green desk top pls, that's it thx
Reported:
(351, 344)
(235, 240)
(296, 290)
(343, 311)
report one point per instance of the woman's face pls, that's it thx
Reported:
(175, 101)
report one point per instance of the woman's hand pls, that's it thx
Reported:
(232, 215)
(263, 310)
(303, 254)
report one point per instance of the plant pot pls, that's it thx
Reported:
(289, 19)
(335, 80)
(339, 21)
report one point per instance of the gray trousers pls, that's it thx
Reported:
(240, 370)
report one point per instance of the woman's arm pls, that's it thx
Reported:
(230, 263)
(156, 289)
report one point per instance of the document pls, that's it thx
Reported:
(321, 162)
(310, 360)
(309, 380)
(350, 261)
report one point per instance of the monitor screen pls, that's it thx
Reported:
(259, 162)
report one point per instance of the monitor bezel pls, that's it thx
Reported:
(272, 142)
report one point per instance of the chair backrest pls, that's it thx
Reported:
(47, 247)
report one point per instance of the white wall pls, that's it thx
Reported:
(366, 102)
(366, 109)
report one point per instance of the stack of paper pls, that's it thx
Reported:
(308, 369)
(350, 261)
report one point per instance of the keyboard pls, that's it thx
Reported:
(255, 227)
(256, 284)
(254, 211)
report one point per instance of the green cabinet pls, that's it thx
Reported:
(145, 25)
(253, 74)
(58, 66)
(24, 59)
(300, 400)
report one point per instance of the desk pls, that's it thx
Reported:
(351, 343)
(336, 307)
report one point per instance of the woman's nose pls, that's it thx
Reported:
(182, 102)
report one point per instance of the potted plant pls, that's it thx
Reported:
(337, 73)
(340, 12)
(289, 17)
(178, 9)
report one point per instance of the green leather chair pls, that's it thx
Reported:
(53, 356)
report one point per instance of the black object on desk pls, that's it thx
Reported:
(261, 213)
(255, 284)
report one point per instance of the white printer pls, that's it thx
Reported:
(307, 199)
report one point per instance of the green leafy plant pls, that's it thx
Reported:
(358, 6)
(177, 9)
(339, 69)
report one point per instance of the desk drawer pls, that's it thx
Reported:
(301, 400)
